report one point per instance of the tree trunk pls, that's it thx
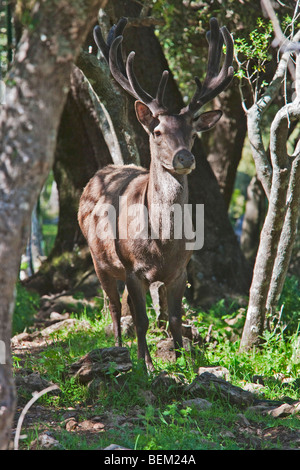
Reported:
(253, 220)
(36, 92)
(226, 141)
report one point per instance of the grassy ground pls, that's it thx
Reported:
(125, 410)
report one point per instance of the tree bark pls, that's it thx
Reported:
(36, 91)
(253, 220)
(226, 141)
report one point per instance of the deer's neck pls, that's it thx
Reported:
(165, 189)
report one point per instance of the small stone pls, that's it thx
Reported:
(116, 447)
(45, 441)
(32, 382)
(218, 371)
(243, 420)
(227, 434)
(253, 387)
(58, 316)
(71, 424)
(99, 363)
(207, 385)
(285, 410)
(199, 403)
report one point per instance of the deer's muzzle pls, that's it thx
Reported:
(184, 162)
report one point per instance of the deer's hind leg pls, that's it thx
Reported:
(109, 285)
(137, 304)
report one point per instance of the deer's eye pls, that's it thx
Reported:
(157, 133)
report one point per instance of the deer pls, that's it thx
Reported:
(140, 261)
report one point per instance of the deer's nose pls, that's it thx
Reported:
(184, 162)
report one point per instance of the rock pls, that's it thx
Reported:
(166, 351)
(45, 441)
(32, 382)
(91, 425)
(242, 420)
(20, 338)
(261, 408)
(71, 424)
(99, 363)
(285, 410)
(116, 447)
(44, 336)
(127, 327)
(209, 386)
(227, 434)
(55, 316)
(70, 413)
(70, 323)
(218, 371)
(199, 403)
(250, 387)
(164, 381)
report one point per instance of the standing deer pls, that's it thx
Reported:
(140, 261)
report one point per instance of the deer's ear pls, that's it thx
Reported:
(207, 120)
(146, 118)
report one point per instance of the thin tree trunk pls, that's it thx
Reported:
(253, 219)
(288, 236)
(36, 92)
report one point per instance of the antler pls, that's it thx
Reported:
(215, 80)
(125, 76)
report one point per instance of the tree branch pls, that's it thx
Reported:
(111, 105)
(254, 117)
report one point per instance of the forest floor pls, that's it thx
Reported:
(196, 403)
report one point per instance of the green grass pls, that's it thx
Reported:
(26, 306)
(166, 424)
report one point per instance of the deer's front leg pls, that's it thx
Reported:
(175, 293)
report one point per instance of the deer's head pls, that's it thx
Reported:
(172, 135)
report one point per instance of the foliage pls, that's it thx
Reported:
(26, 306)
(253, 54)
(183, 33)
(289, 303)
(259, 43)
